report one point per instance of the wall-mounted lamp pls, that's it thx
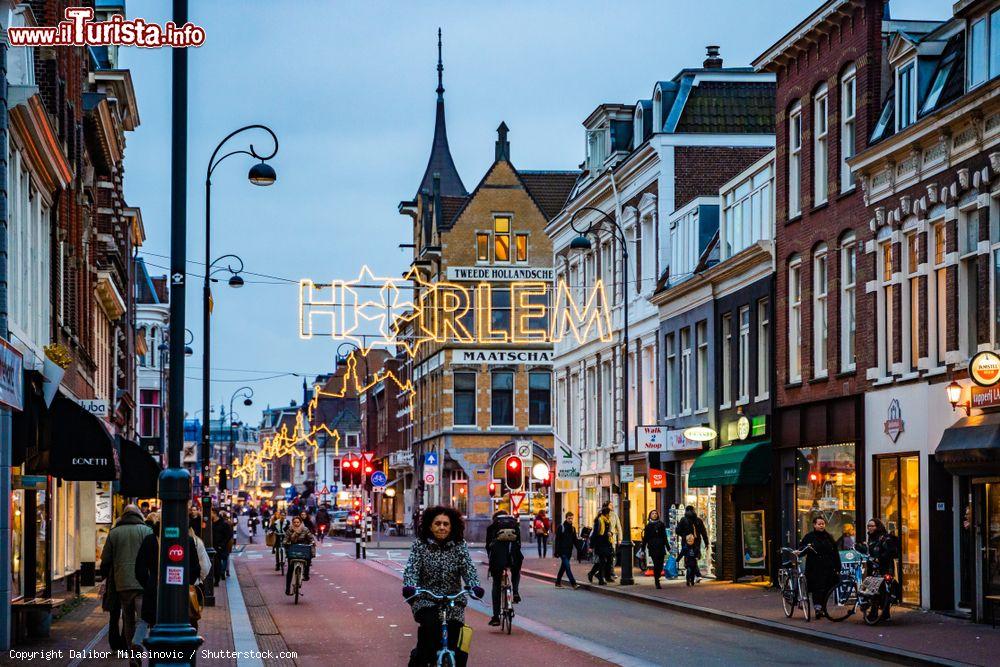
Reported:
(954, 391)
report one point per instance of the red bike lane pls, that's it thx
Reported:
(352, 613)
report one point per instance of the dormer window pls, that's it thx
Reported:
(657, 111)
(906, 95)
(637, 132)
(597, 149)
(984, 48)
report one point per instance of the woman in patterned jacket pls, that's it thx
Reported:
(439, 562)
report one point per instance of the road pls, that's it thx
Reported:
(353, 610)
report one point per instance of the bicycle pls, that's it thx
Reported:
(844, 599)
(445, 656)
(792, 584)
(279, 554)
(299, 556)
(506, 602)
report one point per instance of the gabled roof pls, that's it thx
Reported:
(721, 107)
(450, 208)
(549, 189)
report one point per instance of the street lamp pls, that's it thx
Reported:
(247, 394)
(260, 174)
(954, 391)
(582, 243)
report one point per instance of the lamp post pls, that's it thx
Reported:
(173, 640)
(261, 174)
(582, 243)
(247, 401)
(360, 549)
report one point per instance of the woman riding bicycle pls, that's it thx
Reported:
(277, 527)
(297, 533)
(439, 562)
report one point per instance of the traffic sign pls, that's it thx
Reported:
(368, 456)
(324, 491)
(430, 478)
(516, 498)
(430, 459)
(379, 478)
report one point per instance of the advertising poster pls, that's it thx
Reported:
(754, 555)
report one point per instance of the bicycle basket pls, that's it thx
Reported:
(299, 551)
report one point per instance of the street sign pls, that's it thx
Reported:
(627, 473)
(516, 498)
(430, 478)
(430, 459)
(324, 491)
(368, 456)
(171, 531)
(379, 478)
(175, 575)
(523, 448)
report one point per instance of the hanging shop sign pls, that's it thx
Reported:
(984, 369)
(568, 462)
(657, 479)
(11, 376)
(676, 441)
(505, 357)
(743, 427)
(894, 420)
(754, 549)
(700, 433)
(626, 473)
(985, 397)
(651, 438)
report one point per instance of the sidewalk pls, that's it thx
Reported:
(912, 636)
(84, 628)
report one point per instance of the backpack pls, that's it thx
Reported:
(539, 527)
(507, 529)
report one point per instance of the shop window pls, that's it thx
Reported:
(460, 495)
(501, 239)
(465, 399)
(521, 247)
(898, 494)
(502, 399)
(482, 247)
(540, 399)
(825, 487)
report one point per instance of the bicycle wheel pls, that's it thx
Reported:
(805, 599)
(873, 613)
(282, 566)
(840, 601)
(788, 600)
(509, 620)
(297, 581)
(446, 659)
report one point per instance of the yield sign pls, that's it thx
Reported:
(368, 456)
(516, 498)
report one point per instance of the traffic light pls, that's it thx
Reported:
(547, 482)
(345, 471)
(493, 489)
(515, 473)
(356, 504)
(355, 471)
(366, 471)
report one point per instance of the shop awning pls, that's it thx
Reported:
(140, 471)
(971, 444)
(82, 448)
(735, 464)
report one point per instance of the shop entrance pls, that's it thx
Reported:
(991, 539)
(897, 497)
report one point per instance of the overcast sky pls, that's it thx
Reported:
(349, 89)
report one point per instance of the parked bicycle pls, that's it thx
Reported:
(506, 602)
(877, 593)
(299, 556)
(445, 656)
(842, 600)
(792, 583)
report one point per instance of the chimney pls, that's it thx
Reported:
(714, 60)
(503, 146)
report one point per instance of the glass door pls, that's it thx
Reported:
(898, 503)
(991, 541)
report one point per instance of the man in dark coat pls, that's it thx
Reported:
(504, 553)
(148, 574)
(691, 524)
(822, 563)
(562, 548)
(654, 543)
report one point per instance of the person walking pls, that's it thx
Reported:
(691, 552)
(654, 543)
(118, 566)
(541, 527)
(222, 534)
(147, 573)
(600, 542)
(614, 539)
(562, 548)
(691, 524)
(439, 562)
(822, 563)
(297, 533)
(503, 548)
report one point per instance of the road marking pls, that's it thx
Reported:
(393, 625)
(244, 639)
(407, 634)
(93, 642)
(380, 617)
(369, 609)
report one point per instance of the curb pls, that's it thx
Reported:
(839, 642)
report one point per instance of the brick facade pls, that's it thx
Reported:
(699, 171)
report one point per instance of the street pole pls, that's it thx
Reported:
(173, 640)
(206, 428)
(6, 421)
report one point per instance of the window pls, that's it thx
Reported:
(701, 336)
(540, 399)
(848, 127)
(763, 349)
(819, 312)
(820, 150)
(968, 280)
(747, 213)
(885, 254)
(500, 310)
(465, 399)
(521, 247)
(913, 286)
(848, 302)
(685, 383)
(795, 161)
(977, 53)
(744, 369)
(590, 416)
(597, 149)
(149, 413)
(906, 96)
(795, 320)
(562, 402)
(727, 359)
(683, 244)
(573, 434)
(648, 386)
(502, 403)
(482, 247)
(607, 412)
(501, 239)
(940, 285)
(898, 496)
(670, 381)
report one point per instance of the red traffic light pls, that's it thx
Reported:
(493, 489)
(357, 503)
(548, 479)
(813, 477)
(514, 463)
(355, 463)
(515, 473)
(345, 464)
(368, 469)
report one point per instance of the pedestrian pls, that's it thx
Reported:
(691, 552)
(252, 522)
(614, 539)
(503, 550)
(540, 527)
(118, 565)
(600, 542)
(882, 548)
(691, 524)
(147, 573)
(439, 562)
(222, 534)
(654, 543)
(562, 548)
(847, 539)
(204, 563)
(297, 533)
(822, 563)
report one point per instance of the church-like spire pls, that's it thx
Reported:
(441, 161)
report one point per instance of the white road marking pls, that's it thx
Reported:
(380, 617)
(393, 625)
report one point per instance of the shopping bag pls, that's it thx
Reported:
(670, 567)
(465, 639)
(269, 539)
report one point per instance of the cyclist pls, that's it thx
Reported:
(297, 533)
(822, 564)
(322, 521)
(278, 526)
(439, 562)
(883, 548)
(503, 545)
